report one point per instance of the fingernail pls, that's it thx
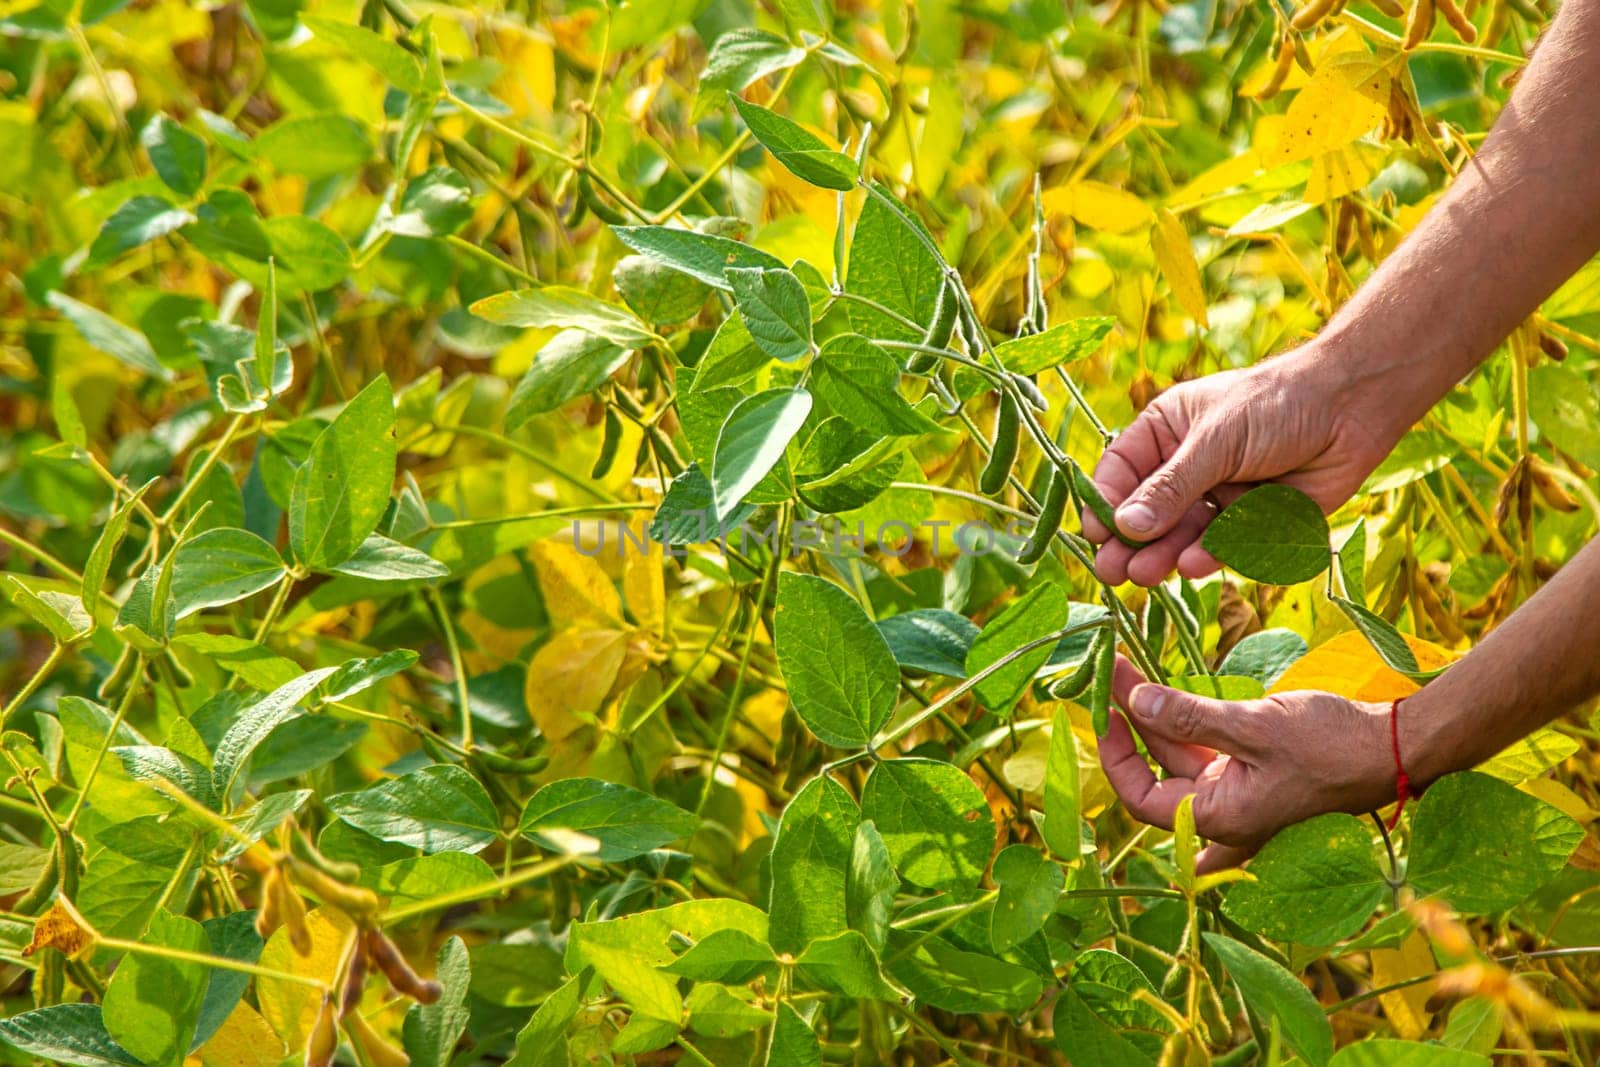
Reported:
(1137, 517)
(1148, 701)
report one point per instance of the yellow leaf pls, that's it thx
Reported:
(1559, 796)
(1174, 255)
(1345, 100)
(527, 80)
(243, 1040)
(644, 587)
(1099, 206)
(1348, 666)
(1406, 1008)
(575, 588)
(1341, 172)
(569, 678)
(291, 1008)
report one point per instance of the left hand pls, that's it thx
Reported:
(1254, 766)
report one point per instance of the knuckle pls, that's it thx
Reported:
(1188, 719)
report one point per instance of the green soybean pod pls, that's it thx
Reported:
(1051, 510)
(590, 197)
(1003, 452)
(608, 444)
(1030, 392)
(1155, 623)
(938, 335)
(1105, 663)
(1071, 686)
(1089, 493)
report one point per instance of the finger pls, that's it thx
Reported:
(1165, 496)
(1152, 564)
(1111, 562)
(1118, 473)
(1195, 563)
(1228, 726)
(1221, 858)
(1185, 761)
(1146, 797)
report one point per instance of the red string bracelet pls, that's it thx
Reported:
(1402, 781)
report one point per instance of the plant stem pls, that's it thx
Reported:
(463, 697)
(33, 683)
(105, 745)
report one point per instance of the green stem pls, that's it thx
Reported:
(105, 745)
(448, 626)
(29, 548)
(460, 244)
(531, 873)
(200, 473)
(33, 683)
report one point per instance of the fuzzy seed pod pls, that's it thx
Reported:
(270, 913)
(1031, 393)
(1419, 25)
(1051, 510)
(395, 968)
(608, 444)
(324, 1041)
(1311, 13)
(1105, 656)
(379, 1051)
(1458, 20)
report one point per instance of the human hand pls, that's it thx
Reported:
(1254, 766)
(1203, 443)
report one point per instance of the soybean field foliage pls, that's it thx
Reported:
(547, 532)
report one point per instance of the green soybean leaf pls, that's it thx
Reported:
(1353, 563)
(438, 808)
(687, 514)
(660, 295)
(1274, 534)
(846, 965)
(539, 1043)
(1566, 408)
(732, 957)
(699, 255)
(106, 545)
(1090, 1040)
(436, 203)
(891, 266)
(138, 221)
(562, 307)
(1388, 1052)
(860, 382)
(177, 155)
(1264, 655)
(793, 1043)
(1066, 343)
(622, 822)
(775, 310)
(381, 559)
(221, 566)
(233, 937)
(1036, 614)
(1386, 641)
(870, 886)
(106, 334)
(719, 1011)
(752, 441)
(399, 67)
(571, 364)
(252, 726)
(342, 489)
(152, 763)
(228, 354)
(841, 676)
(940, 975)
(739, 58)
(1484, 845)
(934, 821)
(930, 639)
(1029, 887)
(802, 152)
(1061, 796)
(315, 146)
(1107, 985)
(431, 1031)
(355, 675)
(61, 613)
(1277, 998)
(153, 1002)
(1316, 882)
(1474, 1026)
(67, 1033)
(811, 857)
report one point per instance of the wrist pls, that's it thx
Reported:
(1373, 400)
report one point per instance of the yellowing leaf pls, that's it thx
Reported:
(527, 80)
(243, 1040)
(1407, 1009)
(575, 588)
(1560, 797)
(1348, 666)
(644, 588)
(1099, 206)
(1341, 172)
(1175, 257)
(1345, 100)
(291, 1008)
(570, 676)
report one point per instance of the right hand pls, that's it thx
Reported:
(1201, 444)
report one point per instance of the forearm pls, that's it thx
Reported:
(1521, 217)
(1542, 661)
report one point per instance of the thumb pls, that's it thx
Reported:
(1229, 726)
(1162, 499)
